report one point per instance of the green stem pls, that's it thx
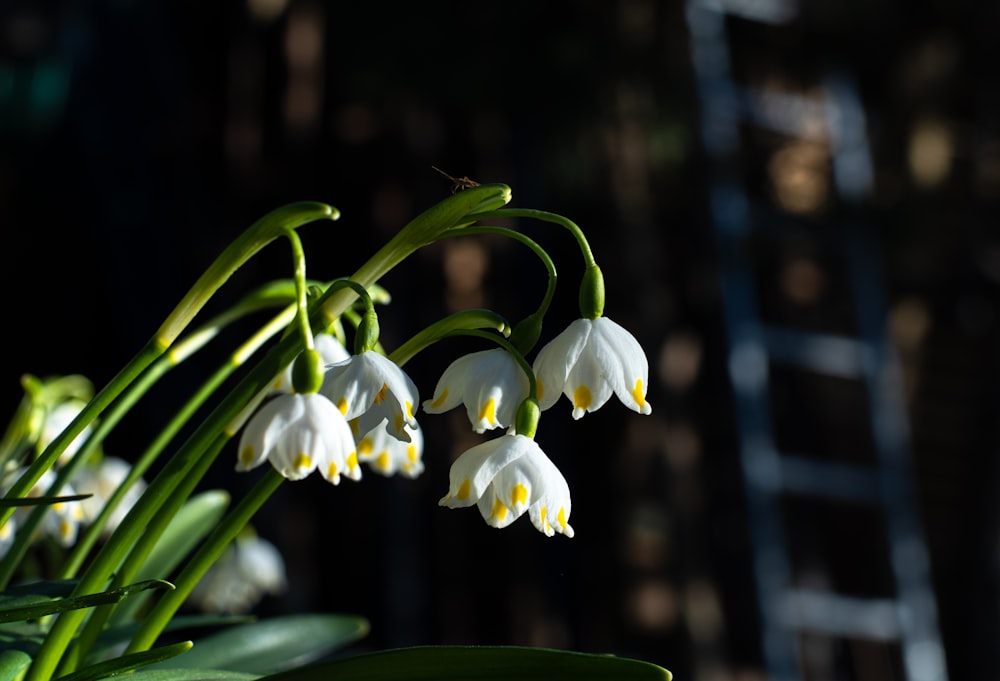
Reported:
(227, 530)
(141, 550)
(544, 216)
(449, 326)
(181, 351)
(111, 554)
(179, 495)
(98, 404)
(301, 290)
(591, 295)
(550, 267)
(232, 258)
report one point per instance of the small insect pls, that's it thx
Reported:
(458, 183)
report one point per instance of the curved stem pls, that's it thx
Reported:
(111, 554)
(225, 532)
(514, 352)
(301, 290)
(449, 326)
(183, 349)
(232, 258)
(545, 216)
(550, 267)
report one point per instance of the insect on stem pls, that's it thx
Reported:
(458, 183)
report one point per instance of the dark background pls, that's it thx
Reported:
(139, 138)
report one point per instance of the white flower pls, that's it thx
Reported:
(62, 522)
(386, 454)
(248, 569)
(589, 361)
(299, 433)
(490, 383)
(56, 421)
(371, 384)
(507, 476)
(103, 480)
(330, 350)
(7, 532)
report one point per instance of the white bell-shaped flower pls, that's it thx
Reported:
(507, 476)
(102, 480)
(588, 362)
(387, 455)
(372, 384)
(299, 433)
(490, 383)
(56, 421)
(248, 569)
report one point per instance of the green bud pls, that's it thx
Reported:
(526, 421)
(307, 371)
(454, 211)
(592, 293)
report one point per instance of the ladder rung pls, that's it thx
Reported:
(838, 615)
(845, 482)
(824, 353)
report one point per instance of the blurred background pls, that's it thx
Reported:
(795, 207)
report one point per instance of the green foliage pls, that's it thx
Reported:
(104, 618)
(475, 663)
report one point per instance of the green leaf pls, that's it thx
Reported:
(35, 592)
(275, 644)
(192, 523)
(42, 501)
(483, 663)
(127, 663)
(116, 636)
(184, 674)
(57, 605)
(12, 663)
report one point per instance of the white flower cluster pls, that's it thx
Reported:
(100, 479)
(364, 414)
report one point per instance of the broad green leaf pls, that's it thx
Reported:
(12, 663)
(57, 605)
(475, 663)
(274, 644)
(184, 674)
(193, 522)
(121, 634)
(127, 663)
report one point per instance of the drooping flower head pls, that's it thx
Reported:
(588, 362)
(490, 383)
(249, 569)
(56, 421)
(299, 433)
(63, 519)
(370, 383)
(102, 480)
(387, 455)
(507, 476)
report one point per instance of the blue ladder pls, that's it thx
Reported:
(787, 609)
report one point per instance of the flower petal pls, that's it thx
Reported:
(557, 358)
(475, 469)
(265, 428)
